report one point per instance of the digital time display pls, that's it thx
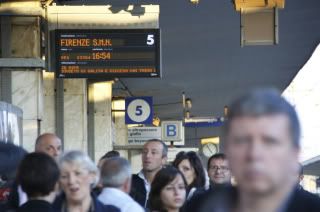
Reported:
(107, 53)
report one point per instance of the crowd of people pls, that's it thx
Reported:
(259, 171)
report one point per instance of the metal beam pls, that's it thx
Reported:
(21, 63)
(21, 11)
(5, 75)
(127, 147)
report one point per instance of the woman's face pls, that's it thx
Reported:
(187, 170)
(173, 195)
(75, 182)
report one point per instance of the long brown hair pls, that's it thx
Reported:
(195, 162)
(162, 178)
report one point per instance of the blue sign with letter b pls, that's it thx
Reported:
(171, 130)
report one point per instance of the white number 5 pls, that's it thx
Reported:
(150, 40)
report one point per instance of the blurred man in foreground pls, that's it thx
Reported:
(262, 146)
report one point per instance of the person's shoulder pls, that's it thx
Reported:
(111, 208)
(303, 200)
(307, 197)
(132, 206)
(136, 180)
(199, 191)
(36, 206)
(220, 198)
(136, 177)
(99, 206)
(57, 203)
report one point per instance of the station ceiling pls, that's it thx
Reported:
(201, 54)
(312, 166)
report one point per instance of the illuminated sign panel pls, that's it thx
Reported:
(107, 53)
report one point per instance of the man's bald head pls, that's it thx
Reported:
(48, 143)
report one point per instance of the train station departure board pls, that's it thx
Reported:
(107, 53)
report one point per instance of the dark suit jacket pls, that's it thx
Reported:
(303, 201)
(36, 206)
(223, 200)
(138, 190)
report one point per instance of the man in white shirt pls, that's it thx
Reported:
(116, 181)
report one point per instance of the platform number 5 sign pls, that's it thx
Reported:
(139, 110)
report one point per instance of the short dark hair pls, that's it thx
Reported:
(265, 102)
(164, 149)
(161, 179)
(221, 156)
(38, 174)
(195, 162)
(110, 154)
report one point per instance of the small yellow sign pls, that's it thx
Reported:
(214, 140)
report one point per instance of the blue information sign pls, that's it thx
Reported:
(139, 110)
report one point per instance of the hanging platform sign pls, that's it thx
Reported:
(98, 53)
(139, 110)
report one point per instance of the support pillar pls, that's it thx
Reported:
(74, 114)
(20, 38)
(99, 119)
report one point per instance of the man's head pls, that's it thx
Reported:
(262, 142)
(154, 155)
(116, 173)
(218, 169)
(49, 143)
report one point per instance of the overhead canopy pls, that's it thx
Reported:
(201, 55)
(312, 166)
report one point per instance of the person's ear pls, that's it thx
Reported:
(164, 160)
(301, 177)
(93, 178)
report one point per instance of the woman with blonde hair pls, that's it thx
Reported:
(78, 176)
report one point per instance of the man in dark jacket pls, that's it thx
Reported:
(154, 156)
(218, 171)
(262, 146)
